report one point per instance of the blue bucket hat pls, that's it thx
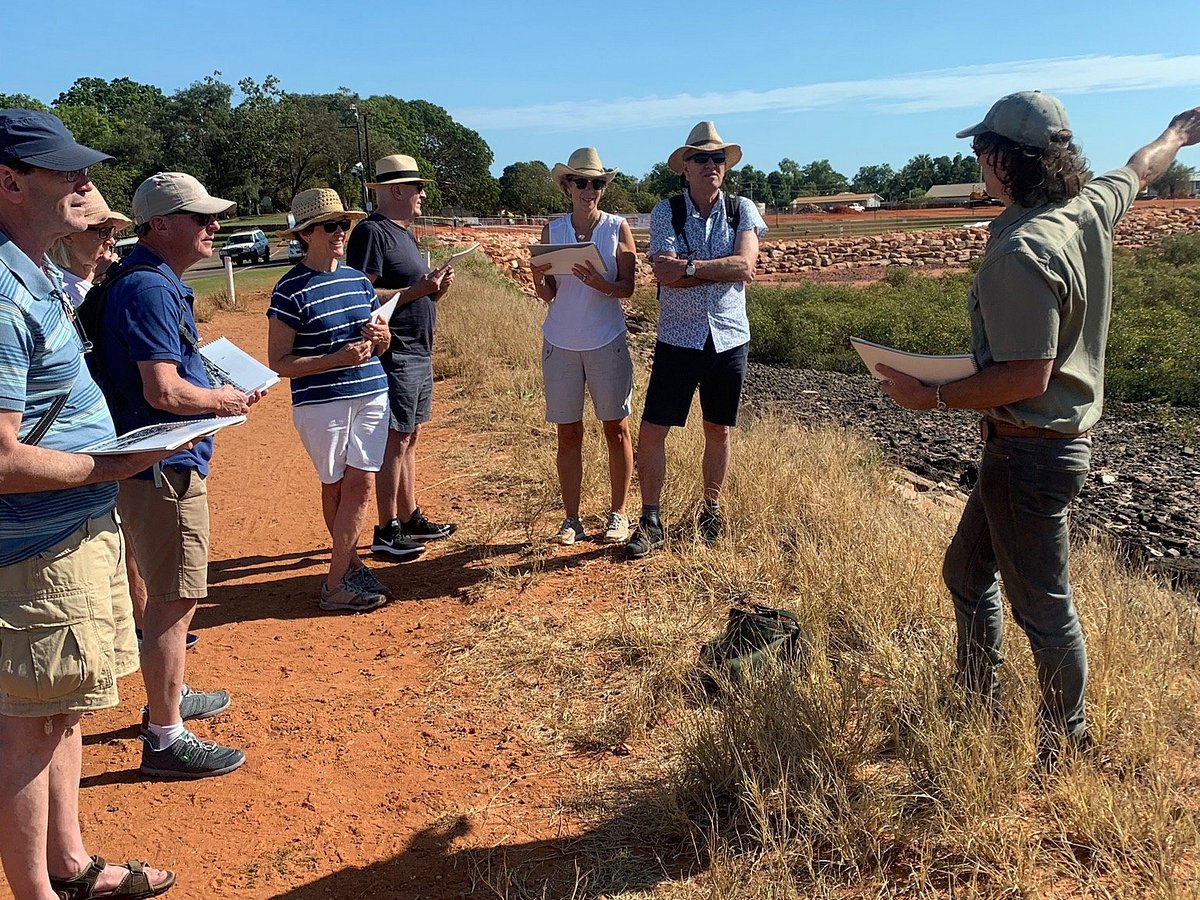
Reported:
(41, 139)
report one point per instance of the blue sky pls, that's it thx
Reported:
(853, 82)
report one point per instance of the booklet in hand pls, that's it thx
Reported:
(926, 369)
(563, 257)
(227, 363)
(164, 436)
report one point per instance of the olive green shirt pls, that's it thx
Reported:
(1044, 291)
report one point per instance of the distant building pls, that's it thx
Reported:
(830, 201)
(1195, 187)
(956, 193)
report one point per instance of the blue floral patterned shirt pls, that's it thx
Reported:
(688, 315)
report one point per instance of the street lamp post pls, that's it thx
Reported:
(358, 144)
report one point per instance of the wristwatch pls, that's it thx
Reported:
(690, 269)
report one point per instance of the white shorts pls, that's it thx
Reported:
(344, 433)
(606, 371)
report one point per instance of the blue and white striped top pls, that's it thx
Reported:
(41, 357)
(328, 310)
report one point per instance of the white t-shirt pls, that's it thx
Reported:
(582, 318)
(75, 287)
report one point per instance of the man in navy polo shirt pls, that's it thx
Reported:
(152, 360)
(66, 621)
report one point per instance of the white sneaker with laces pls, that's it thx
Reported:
(570, 531)
(616, 530)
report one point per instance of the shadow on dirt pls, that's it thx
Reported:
(604, 861)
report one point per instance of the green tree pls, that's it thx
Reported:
(874, 180)
(918, 174)
(661, 181)
(617, 199)
(22, 101)
(824, 177)
(1175, 182)
(526, 188)
(121, 98)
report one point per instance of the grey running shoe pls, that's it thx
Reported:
(419, 528)
(188, 757)
(363, 579)
(570, 531)
(196, 705)
(347, 597)
(649, 536)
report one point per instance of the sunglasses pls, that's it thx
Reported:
(104, 232)
(705, 158)
(201, 219)
(338, 225)
(598, 184)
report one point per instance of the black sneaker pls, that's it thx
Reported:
(188, 757)
(419, 528)
(648, 536)
(390, 540)
(710, 524)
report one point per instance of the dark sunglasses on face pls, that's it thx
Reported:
(104, 232)
(340, 224)
(598, 184)
(705, 158)
(201, 219)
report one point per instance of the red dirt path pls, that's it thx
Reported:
(351, 788)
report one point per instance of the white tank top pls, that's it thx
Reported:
(582, 318)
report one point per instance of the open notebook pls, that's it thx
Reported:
(227, 363)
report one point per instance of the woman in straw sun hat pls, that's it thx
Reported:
(86, 255)
(584, 342)
(323, 337)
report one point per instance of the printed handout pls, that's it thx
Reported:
(926, 369)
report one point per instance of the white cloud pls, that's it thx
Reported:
(967, 86)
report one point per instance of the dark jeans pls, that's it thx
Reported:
(1015, 527)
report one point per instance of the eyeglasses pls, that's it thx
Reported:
(705, 158)
(104, 232)
(598, 184)
(338, 225)
(201, 219)
(75, 175)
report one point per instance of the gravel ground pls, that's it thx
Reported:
(1140, 491)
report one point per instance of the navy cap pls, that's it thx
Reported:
(41, 139)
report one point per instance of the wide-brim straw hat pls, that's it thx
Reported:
(584, 163)
(396, 169)
(704, 137)
(317, 205)
(97, 214)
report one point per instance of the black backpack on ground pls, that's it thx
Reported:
(754, 639)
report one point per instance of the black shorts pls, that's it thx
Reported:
(678, 371)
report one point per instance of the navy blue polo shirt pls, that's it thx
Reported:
(144, 320)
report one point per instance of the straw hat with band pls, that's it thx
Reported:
(97, 214)
(317, 205)
(583, 163)
(396, 169)
(704, 139)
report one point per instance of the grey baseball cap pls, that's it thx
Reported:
(1030, 118)
(171, 192)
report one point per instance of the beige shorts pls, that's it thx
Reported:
(168, 531)
(606, 371)
(66, 625)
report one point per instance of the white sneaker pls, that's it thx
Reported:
(570, 531)
(616, 530)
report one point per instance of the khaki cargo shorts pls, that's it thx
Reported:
(168, 532)
(66, 625)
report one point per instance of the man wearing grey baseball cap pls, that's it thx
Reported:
(154, 373)
(1039, 309)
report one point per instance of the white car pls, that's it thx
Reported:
(295, 251)
(247, 246)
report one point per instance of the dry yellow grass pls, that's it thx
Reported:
(864, 775)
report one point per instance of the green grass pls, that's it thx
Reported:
(1154, 340)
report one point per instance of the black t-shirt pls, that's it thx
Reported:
(380, 247)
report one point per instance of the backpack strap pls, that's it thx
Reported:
(43, 424)
(733, 213)
(678, 218)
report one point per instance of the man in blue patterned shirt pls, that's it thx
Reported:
(66, 619)
(702, 268)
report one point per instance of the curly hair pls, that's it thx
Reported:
(1031, 175)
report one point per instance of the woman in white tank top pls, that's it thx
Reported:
(583, 341)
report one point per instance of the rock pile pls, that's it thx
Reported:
(944, 248)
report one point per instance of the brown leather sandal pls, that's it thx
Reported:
(134, 885)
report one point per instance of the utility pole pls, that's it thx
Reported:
(367, 146)
(361, 169)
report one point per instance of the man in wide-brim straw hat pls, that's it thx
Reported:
(385, 249)
(323, 337)
(704, 248)
(1039, 306)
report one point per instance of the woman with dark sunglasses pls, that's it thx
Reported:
(584, 342)
(323, 336)
(86, 255)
